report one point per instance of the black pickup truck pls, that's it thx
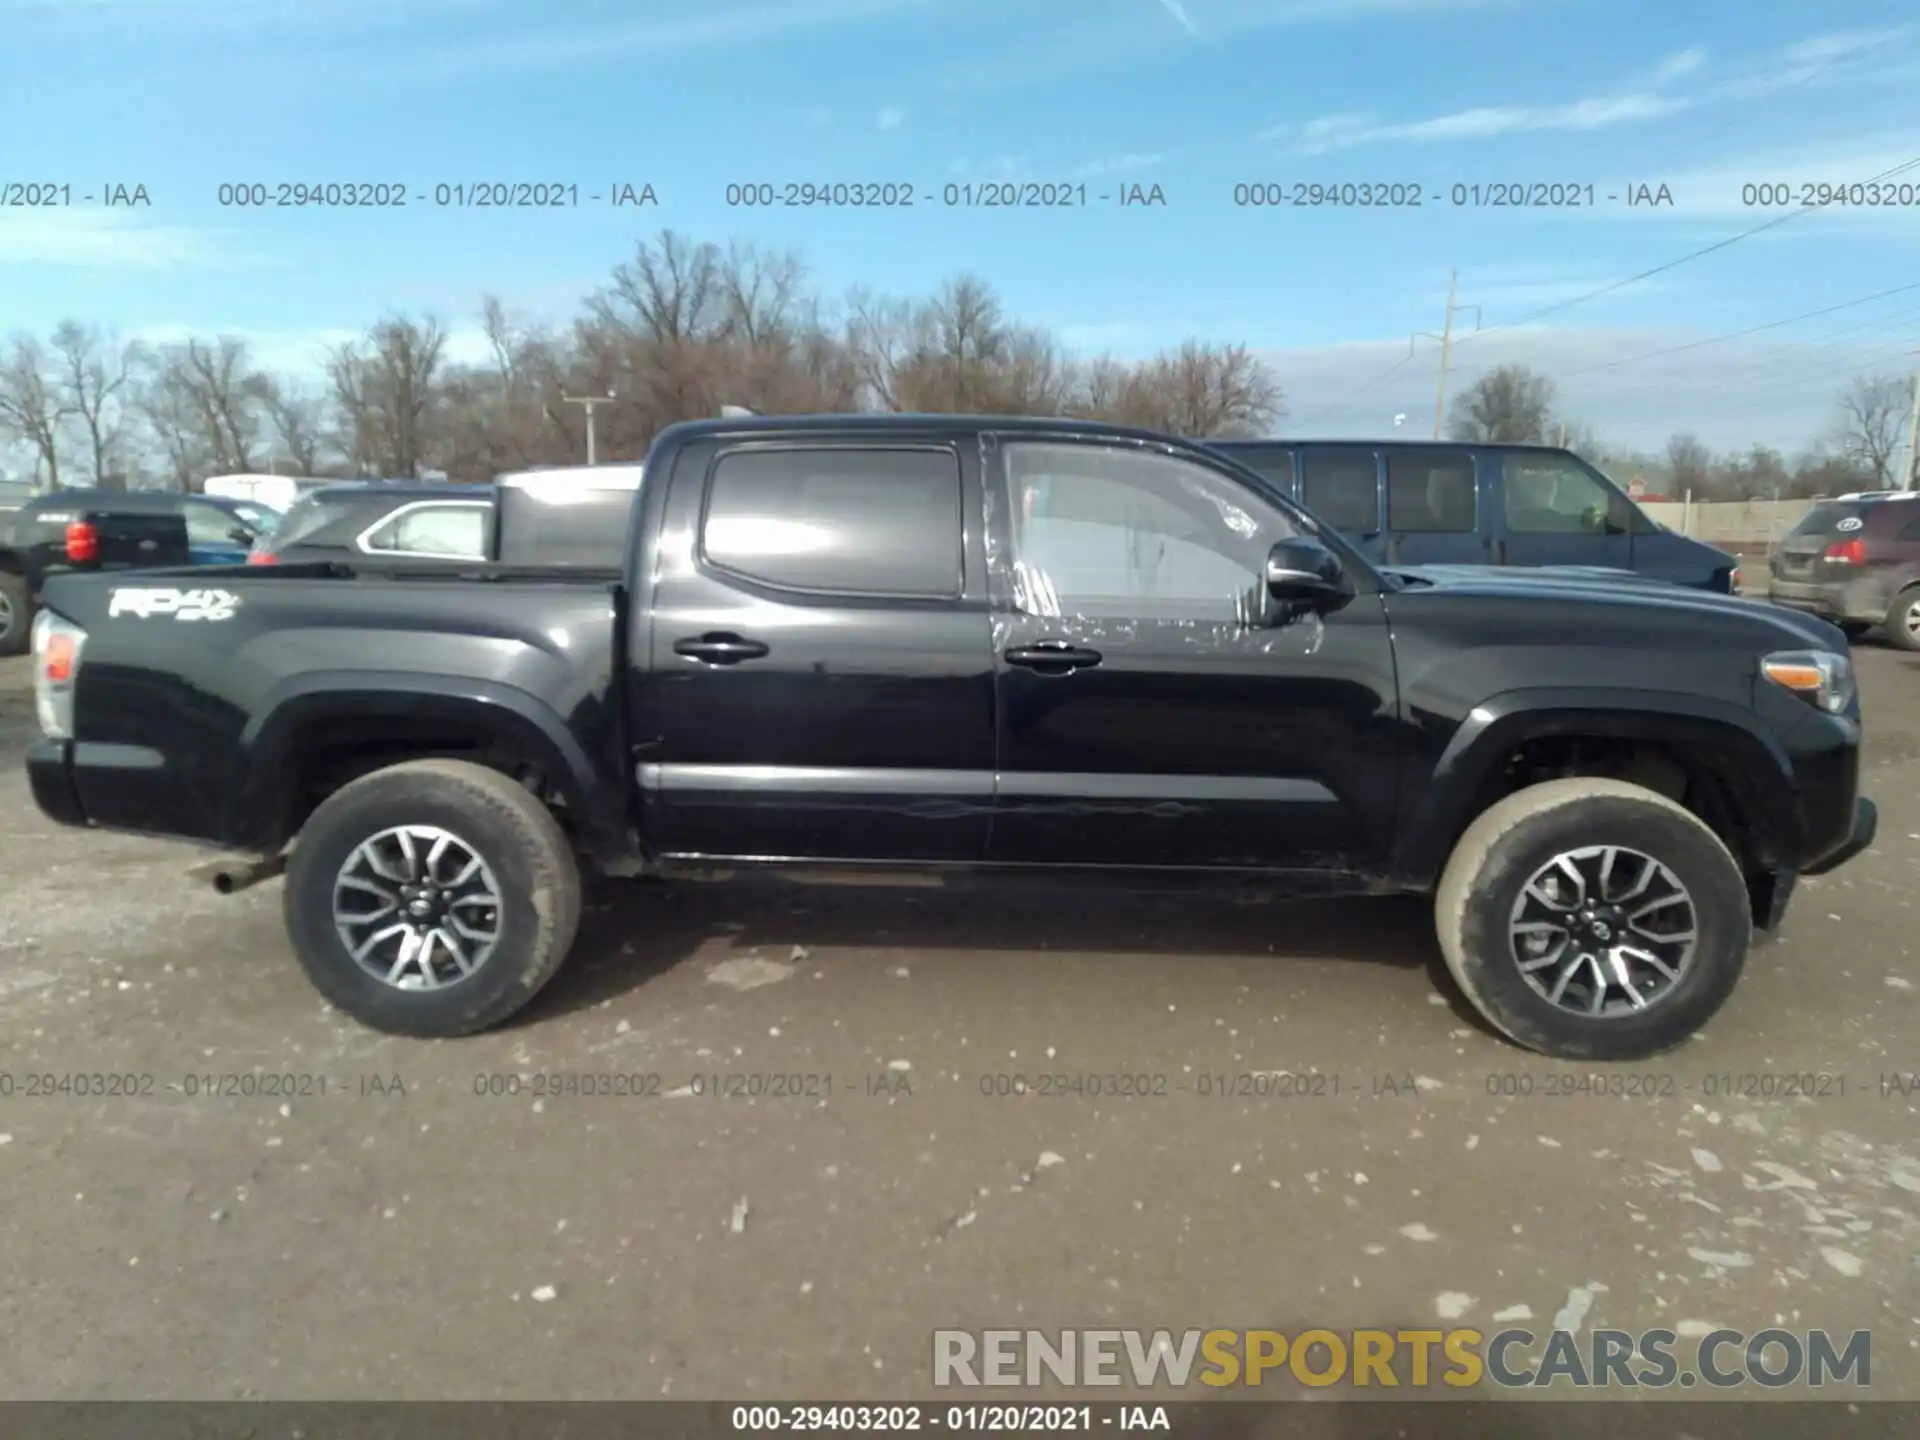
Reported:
(985, 647)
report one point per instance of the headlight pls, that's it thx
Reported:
(1820, 676)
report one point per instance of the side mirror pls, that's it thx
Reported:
(1304, 574)
(240, 536)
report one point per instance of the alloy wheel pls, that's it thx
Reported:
(417, 907)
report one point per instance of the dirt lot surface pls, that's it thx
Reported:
(389, 1229)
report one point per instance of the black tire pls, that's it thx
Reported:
(1854, 629)
(531, 861)
(1903, 619)
(1511, 840)
(16, 614)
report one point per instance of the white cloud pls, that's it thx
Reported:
(1858, 57)
(1179, 13)
(891, 117)
(1676, 66)
(86, 238)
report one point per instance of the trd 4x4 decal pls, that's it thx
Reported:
(147, 601)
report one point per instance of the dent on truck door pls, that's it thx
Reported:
(1151, 714)
(819, 683)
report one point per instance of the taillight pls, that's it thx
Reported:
(83, 543)
(1846, 552)
(62, 654)
(261, 557)
(57, 645)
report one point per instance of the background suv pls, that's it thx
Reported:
(1855, 561)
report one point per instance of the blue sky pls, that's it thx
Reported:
(1194, 96)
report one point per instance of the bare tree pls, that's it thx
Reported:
(32, 408)
(296, 418)
(1510, 404)
(384, 388)
(96, 376)
(1872, 425)
(1690, 463)
(1207, 390)
(202, 403)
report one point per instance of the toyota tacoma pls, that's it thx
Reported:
(983, 647)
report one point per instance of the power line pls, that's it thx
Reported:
(1786, 369)
(1738, 334)
(1705, 250)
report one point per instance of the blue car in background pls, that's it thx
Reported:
(1439, 503)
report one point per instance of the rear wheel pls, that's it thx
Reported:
(1593, 920)
(16, 615)
(1903, 619)
(433, 898)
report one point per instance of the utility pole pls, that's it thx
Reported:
(1911, 479)
(1445, 337)
(586, 403)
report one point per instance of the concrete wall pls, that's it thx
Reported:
(1747, 526)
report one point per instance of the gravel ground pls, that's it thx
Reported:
(404, 1236)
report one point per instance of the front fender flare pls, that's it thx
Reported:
(1725, 737)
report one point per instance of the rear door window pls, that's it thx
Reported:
(838, 521)
(1430, 492)
(1341, 487)
(456, 529)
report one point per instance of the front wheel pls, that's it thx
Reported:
(432, 898)
(1854, 629)
(1903, 619)
(1591, 919)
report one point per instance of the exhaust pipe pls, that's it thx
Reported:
(230, 874)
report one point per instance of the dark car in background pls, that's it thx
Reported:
(571, 516)
(76, 529)
(1435, 503)
(1855, 561)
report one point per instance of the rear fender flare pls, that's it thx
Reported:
(484, 707)
(1751, 763)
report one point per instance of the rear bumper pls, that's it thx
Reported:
(50, 776)
(1861, 598)
(1866, 823)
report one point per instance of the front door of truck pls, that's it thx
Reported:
(1150, 714)
(817, 681)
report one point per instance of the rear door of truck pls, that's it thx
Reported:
(812, 654)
